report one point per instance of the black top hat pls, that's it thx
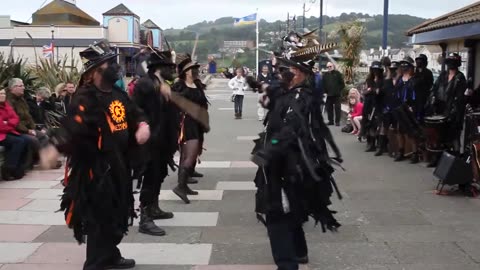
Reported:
(407, 62)
(376, 65)
(186, 63)
(422, 57)
(454, 58)
(306, 66)
(96, 54)
(160, 58)
(386, 62)
(394, 65)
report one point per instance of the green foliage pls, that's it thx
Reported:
(50, 73)
(351, 40)
(15, 69)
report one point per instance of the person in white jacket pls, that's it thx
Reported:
(239, 85)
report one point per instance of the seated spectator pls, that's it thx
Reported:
(46, 109)
(356, 110)
(15, 145)
(26, 127)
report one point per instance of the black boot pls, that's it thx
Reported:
(400, 155)
(382, 145)
(181, 190)
(196, 174)
(122, 263)
(372, 147)
(415, 159)
(147, 226)
(10, 174)
(156, 213)
(192, 181)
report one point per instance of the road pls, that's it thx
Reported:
(391, 218)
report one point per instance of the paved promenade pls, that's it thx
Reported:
(391, 218)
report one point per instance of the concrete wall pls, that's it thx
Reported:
(84, 32)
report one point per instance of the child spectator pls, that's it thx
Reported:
(356, 110)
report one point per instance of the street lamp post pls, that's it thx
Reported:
(52, 29)
(385, 24)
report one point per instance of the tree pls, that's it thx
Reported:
(351, 41)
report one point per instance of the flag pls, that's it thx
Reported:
(247, 20)
(48, 50)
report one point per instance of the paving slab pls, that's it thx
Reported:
(235, 185)
(406, 217)
(13, 204)
(214, 164)
(247, 138)
(241, 267)
(46, 194)
(349, 254)
(41, 266)
(411, 233)
(11, 193)
(472, 248)
(32, 218)
(188, 219)
(16, 252)
(58, 253)
(458, 266)
(28, 184)
(41, 206)
(20, 233)
(429, 253)
(243, 164)
(168, 254)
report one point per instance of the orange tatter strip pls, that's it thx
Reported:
(78, 119)
(90, 173)
(81, 108)
(70, 214)
(99, 143)
(110, 123)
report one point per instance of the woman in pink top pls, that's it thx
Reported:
(356, 108)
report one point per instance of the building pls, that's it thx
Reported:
(71, 30)
(457, 31)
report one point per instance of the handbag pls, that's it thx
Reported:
(233, 97)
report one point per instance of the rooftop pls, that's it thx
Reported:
(120, 10)
(60, 12)
(468, 14)
(150, 24)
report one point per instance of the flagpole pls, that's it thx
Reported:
(256, 63)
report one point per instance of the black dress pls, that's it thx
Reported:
(191, 129)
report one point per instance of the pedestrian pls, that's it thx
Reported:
(423, 85)
(333, 85)
(192, 132)
(239, 85)
(294, 178)
(152, 94)
(372, 105)
(15, 145)
(264, 77)
(104, 125)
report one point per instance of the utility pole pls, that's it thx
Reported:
(288, 22)
(385, 24)
(321, 21)
(303, 23)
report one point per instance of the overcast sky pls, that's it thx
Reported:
(181, 13)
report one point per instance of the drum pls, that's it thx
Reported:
(435, 131)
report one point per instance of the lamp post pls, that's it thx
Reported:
(385, 24)
(52, 29)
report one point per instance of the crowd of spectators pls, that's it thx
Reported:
(26, 120)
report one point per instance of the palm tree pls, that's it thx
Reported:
(351, 36)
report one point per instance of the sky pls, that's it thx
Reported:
(181, 13)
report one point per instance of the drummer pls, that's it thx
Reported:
(449, 100)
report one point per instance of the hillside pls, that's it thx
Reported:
(213, 33)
